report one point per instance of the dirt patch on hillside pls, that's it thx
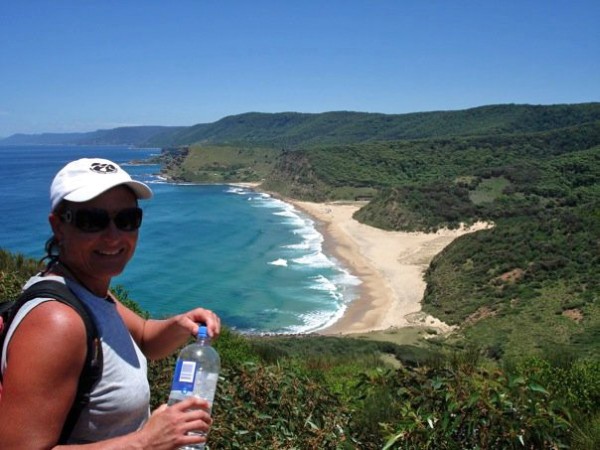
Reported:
(512, 276)
(482, 313)
(574, 314)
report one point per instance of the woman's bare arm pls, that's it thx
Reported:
(160, 338)
(44, 360)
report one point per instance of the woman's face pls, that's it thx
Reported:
(96, 257)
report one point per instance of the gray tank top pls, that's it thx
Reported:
(119, 404)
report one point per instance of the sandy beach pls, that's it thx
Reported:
(390, 264)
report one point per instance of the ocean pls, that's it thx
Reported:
(253, 259)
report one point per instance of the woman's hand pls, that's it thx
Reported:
(181, 424)
(191, 319)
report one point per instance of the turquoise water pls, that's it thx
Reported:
(251, 258)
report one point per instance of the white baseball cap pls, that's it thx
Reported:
(87, 178)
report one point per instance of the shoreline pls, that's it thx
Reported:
(390, 265)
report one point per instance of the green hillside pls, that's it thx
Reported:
(536, 177)
(523, 287)
(218, 163)
(292, 130)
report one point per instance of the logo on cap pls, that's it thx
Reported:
(103, 168)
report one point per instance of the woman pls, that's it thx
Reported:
(95, 220)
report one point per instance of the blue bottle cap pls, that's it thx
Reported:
(202, 331)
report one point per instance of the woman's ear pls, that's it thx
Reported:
(57, 225)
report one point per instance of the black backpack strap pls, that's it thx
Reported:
(6, 312)
(92, 368)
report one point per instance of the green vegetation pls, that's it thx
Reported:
(15, 269)
(487, 190)
(339, 393)
(219, 164)
(525, 286)
(524, 159)
(294, 131)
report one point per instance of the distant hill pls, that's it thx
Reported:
(135, 136)
(293, 130)
(290, 130)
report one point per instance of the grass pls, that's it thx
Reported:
(488, 190)
(397, 336)
(219, 164)
(537, 326)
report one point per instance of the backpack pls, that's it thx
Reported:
(92, 368)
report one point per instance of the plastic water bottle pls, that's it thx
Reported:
(196, 373)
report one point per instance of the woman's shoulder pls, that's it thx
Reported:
(53, 323)
(49, 309)
(48, 319)
(47, 313)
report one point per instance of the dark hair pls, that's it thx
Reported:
(52, 246)
(52, 253)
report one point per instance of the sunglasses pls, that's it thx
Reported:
(93, 220)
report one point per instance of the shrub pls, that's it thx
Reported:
(271, 406)
(462, 406)
(15, 269)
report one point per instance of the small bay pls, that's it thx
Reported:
(253, 259)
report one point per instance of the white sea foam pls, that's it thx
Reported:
(265, 200)
(157, 180)
(291, 217)
(304, 245)
(315, 260)
(237, 190)
(279, 262)
(302, 226)
(331, 319)
(311, 239)
(339, 292)
(323, 284)
(345, 278)
(182, 183)
(287, 212)
(317, 320)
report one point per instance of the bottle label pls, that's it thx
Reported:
(183, 380)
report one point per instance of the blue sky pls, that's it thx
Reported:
(73, 65)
